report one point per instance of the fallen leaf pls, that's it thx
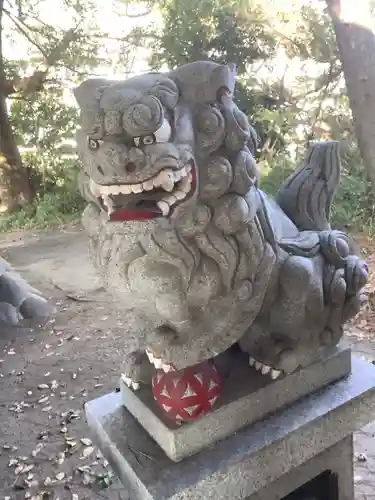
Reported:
(43, 386)
(86, 452)
(39, 446)
(86, 441)
(60, 458)
(54, 385)
(60, 476)
(43, 435)
(87, 479)
(18, 469)
(42, 400)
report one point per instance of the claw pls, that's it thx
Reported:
(251, 361)
(265, 369)
(129, 382)
(159, 363)
(275, 374)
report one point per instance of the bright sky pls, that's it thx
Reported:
(109, 15)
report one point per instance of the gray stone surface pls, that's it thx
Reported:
(338, 459)
(19, 300)
(246, 397)
(245, 463)
(199, 257)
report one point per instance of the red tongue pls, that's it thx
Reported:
(123, 214)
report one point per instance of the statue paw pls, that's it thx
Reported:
(137, 370)
(278, 357)
(159, 364)
(130, 382)
(265, 369)
(160, 343)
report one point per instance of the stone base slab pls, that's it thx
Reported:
(247, 396)
(245, 463)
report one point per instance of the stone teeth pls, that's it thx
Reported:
(108, 202)
(170, 199)
(136, 188)
(185, 184)
(275, 374)
(164, 207)
(148, 185)
(179, 195)
(258, 365)
(115, 190)
(251, 361)
(167, 180)
(126, 189)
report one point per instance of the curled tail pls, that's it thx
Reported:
(306, 196)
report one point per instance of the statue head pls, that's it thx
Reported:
(154, 144)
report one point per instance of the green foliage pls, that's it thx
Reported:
(212, 29)
(63, 204)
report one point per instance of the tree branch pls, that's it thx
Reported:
(22, 28)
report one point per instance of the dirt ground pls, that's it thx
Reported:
(47, 375)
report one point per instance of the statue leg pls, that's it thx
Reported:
(287, 335)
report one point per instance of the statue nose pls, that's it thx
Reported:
(130, 167)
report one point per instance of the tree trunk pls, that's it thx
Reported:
(356, 44)
(15, 187)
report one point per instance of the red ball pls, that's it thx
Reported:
(188, 393)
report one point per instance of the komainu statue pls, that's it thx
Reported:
(199, 258)
(19, 300)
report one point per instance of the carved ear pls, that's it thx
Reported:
(224, 77)
(89, 92)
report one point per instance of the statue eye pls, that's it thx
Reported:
(94, 143)
(147, 140)
(164, 132)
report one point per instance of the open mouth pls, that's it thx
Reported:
(154, 197)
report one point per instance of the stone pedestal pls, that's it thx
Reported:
(247, 396)
(267, 460)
